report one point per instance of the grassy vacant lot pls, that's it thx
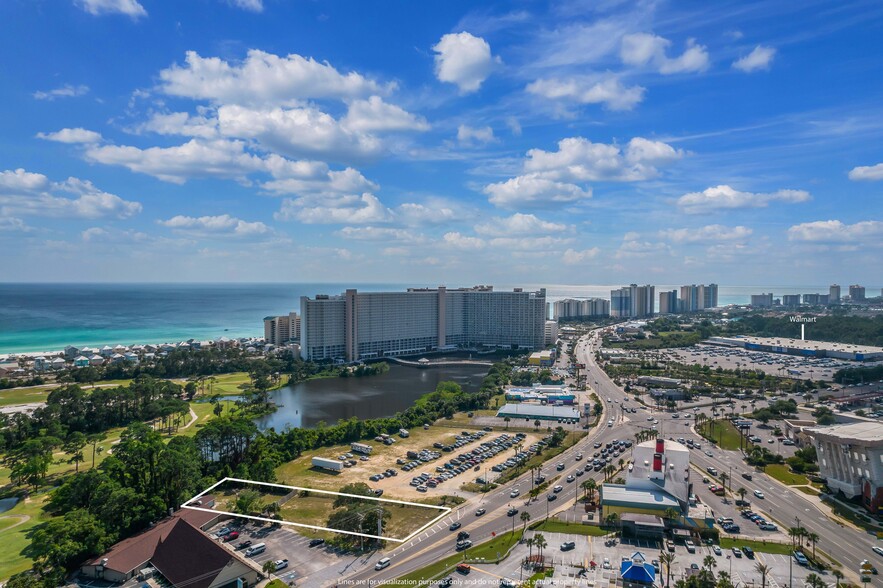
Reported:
(487, 550)
(758, 546)
(724, 434)
(314, 508)
(553, 526)
(782, 473)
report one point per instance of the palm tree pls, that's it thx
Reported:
(590, 486)
(536, 425)
(530, 543)
(670, 514)
(609, 470)
(525, 516)
(667, 559)
(269, 567)
(507, 419)
(838, 575)
(621, 463)
(724, 477)
(763, 570)
(793, 532)
(723, 580)
(741, 492)
(540, 542)
(709, 563)
(814, 581)
(813, 538)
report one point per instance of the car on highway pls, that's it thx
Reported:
(877, 550)
(557, 489)
(512, 512)
(579, 456)
(758, 493)
(280, 564)
(464, 544)
(480, 512)
(454, 526)
(571, 478)
(552, 497)
(709, 453)
(560, 466)
(515, 492)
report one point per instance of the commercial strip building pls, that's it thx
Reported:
(543, 412)
(543, 394)
(361, 325)
(658, 479)
(804, 348)
(545, 358)
(850, 460)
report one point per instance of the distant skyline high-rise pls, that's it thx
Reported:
(857, 293)
(668, 302)
(834, 294)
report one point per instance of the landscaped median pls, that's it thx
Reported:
(554, 526)
(493, 551)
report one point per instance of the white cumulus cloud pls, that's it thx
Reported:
(65, 91)
(727, 198)
(646, 49)
(215, 226)
(578, 159)
(130, 8)
(297, 132)
(364, 209)
(464, 60)
(864, 232)
(459, 241)
(533, 190)
(181, 123)
(706, 234)
(24, 193)
(610, 92)
(249, 5)
(574, 257)
(867, 172)
(761, 57)
(74, 136)
(373, 115)
(467, 135)
(517, 225)
(262, 78)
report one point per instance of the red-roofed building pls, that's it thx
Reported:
(178, 549)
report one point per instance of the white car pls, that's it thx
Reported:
(280, 564)
(515, 492)
(557, 489)
(758, 493)
(606, 563)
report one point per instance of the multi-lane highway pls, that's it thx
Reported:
(783, 505)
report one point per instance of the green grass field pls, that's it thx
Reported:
(725, 435)
(15, 540)
(758, 546)
(552, 526)
(782, 473)
(808, 490)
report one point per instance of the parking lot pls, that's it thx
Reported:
(570, 565)
(306, 565)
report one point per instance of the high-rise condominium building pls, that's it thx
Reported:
(791, 300)
(633, 301)
(573, 308)
(279, 330)
(816, 299)
(856, 293)
(762, 300)
(668, 302)
(834, 294)
(695, 298)
(360, 325)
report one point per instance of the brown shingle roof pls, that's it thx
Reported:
(189, 559)
(132, 553)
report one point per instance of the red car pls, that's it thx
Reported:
(231, 536)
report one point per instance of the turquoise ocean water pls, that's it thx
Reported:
(44, 317)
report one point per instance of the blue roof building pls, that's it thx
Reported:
(635, 571)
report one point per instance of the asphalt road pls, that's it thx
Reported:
(780, 504)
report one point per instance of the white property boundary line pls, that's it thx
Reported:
(446, 510)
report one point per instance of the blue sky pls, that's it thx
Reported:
(442, 142)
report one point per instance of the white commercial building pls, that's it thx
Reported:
(361, 325)
(850, 460)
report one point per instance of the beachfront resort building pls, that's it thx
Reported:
(850, 460)
(279, 330)
(361, 325)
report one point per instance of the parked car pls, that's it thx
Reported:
(455, 525)
(316, 542)
(758, 493)
(280, 564)
(568, 546)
